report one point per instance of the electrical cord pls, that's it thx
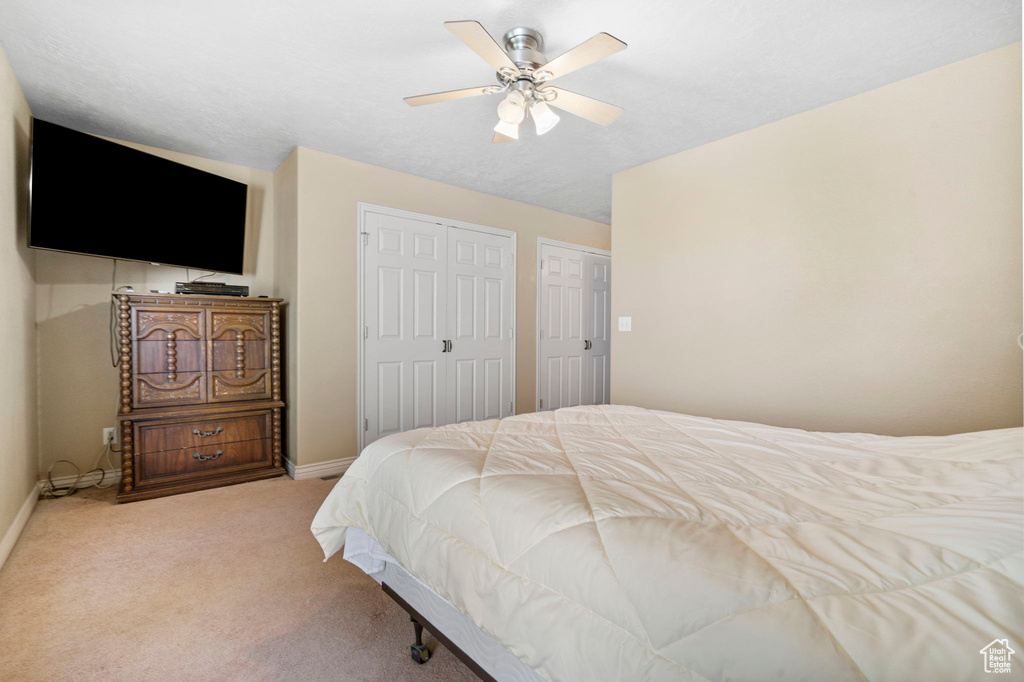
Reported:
(52, 490)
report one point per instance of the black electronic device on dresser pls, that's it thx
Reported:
(211, 289)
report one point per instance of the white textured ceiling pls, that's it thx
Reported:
(246, 81)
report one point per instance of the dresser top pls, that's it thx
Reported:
(191, 299)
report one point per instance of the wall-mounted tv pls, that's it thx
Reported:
(92, 196)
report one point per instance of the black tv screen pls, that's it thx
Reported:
(96, 197)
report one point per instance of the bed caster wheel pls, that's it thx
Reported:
(420, 653)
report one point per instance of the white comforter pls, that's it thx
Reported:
(618, 543)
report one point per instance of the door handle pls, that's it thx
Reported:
(588, 344)
(449, 345)
(444, 346)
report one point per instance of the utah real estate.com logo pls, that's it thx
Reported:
(997, 656)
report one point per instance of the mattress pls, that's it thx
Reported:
(437, 613)
(619, 543)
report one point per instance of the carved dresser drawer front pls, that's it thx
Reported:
(229, 354)
(179, 388)
(212, 459)
(169, 341)
(164, 436)
(167, 353)
(239, 339)
(239, 385)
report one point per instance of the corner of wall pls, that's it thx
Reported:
(18, 401)
(286, 285)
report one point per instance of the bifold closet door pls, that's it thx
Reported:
(404, 294)
(438, 324)
(562, 324)
(599, 309)
(480, 275)
(574, 344)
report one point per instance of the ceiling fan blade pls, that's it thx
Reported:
(600, 46)
(591, 109)
(498, 138)
(449, 94)
(480, 41)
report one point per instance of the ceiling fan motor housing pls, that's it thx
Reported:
(524, 45)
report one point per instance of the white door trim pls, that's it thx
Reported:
(363, 208)
(566, 245)
(541, 241)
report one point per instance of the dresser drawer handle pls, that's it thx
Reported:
(203, 434)
(202, 458)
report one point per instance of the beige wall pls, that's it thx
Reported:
(309, 262)
(856, 267)
(325, 341)
(78, 387)
(18, 441)
(286, 283)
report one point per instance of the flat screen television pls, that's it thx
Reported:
(92, 196)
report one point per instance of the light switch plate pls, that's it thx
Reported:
(625, 324)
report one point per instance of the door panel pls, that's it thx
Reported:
(389, 397)
(574, 374)
(404, 298)
(465, 389)
(575, 336)
(425, 405)
(562, 315)
(493, 383)
(599, 290)
(480, 320)
(553, 383)
(425, 303)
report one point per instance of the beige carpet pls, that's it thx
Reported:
(224, 584)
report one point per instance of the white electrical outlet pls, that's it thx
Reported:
(109, 436)
(625, 324)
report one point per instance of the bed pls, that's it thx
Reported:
(619, 543)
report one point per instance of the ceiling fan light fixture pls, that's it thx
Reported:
(524, 73)
(507, 129)
(543, 117)
(512, 110)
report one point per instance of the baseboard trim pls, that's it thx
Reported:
(332, 467)
(20, 521)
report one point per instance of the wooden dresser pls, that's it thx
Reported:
(200, 392)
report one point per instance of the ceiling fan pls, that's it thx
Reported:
(524, 73)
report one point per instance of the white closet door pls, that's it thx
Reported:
(598, 270)
(480, 322)
(563, 289)
(404, 297)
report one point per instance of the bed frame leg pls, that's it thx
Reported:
(420, 652)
